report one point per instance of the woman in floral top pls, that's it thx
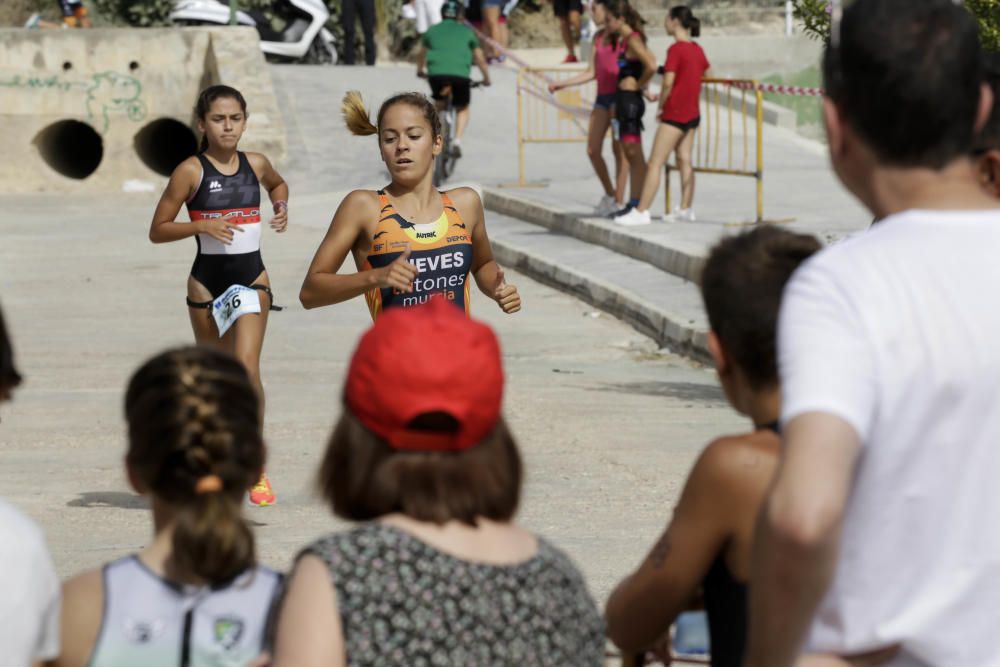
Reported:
(438, 573)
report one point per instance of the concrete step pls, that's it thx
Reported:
(656, 303)
(679, 249)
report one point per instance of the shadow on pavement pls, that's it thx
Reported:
(684, 391)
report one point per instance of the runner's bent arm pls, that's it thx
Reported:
(323, 286)
(488, 274)
(585, 76)
(641, 52)
(277, 189)
(165, 227)
(645, 604)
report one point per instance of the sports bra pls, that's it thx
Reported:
(629, 68)
(235, 198)
(153, 622)
(441, 251)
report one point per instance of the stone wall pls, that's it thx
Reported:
(92, 109)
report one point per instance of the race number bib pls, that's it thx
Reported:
(234, 303)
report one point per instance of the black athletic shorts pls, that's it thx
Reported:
(685, 127)
(629, 109)
(460, 91)
(564, 7)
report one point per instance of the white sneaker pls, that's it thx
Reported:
(606, 206)
(634, 218)
(680, 215)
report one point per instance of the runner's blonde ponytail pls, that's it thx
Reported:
(356, 115)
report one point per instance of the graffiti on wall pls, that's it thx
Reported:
(108, 94)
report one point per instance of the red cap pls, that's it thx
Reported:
(429, 358)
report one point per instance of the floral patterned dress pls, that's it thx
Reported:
(403, 602)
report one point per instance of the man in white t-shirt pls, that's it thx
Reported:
(29, 602)
(881, 530)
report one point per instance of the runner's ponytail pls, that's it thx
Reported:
(195, 444)
(358, 120)
(356, 115)
(687, 18)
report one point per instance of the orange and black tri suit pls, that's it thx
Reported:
(441, 251)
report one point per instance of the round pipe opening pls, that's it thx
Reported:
(72, 148)
(165, 143)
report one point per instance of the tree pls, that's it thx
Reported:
(815, 18)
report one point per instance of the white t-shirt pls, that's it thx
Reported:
(897, 331)
(29, 602)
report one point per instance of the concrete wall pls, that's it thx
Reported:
(129, 93)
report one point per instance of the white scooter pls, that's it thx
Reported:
(304, 37)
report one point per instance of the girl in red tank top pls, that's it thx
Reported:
(679, 117)
(410, 242)
(603, 67)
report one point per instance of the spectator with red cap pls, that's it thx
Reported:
(438, 572)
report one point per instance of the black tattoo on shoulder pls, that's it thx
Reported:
(661, 550)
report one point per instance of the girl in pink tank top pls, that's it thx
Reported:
(603, 67)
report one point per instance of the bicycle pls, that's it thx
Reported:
(444, 166)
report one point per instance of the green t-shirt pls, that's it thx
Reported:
(449, 49)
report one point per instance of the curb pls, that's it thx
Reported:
(667, 329)
(677, 262)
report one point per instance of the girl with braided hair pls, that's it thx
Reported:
(195, 595)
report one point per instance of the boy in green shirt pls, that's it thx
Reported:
(450, 48)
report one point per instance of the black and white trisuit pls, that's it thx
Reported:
(237, 199)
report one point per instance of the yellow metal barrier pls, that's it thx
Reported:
(720, 100)
(543, 118)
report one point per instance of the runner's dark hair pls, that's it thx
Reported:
(741, 286)
(906, 76)
(622, 9)
(204, 105)
(358, 119)
(192, 413)
(687, 18)
(9, 376)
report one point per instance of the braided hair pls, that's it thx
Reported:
(193, 416)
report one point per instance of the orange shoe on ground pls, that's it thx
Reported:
(570, 59)
(261, 494)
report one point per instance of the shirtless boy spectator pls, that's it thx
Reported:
(705, 551)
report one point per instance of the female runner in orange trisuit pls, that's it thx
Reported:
(410, 242)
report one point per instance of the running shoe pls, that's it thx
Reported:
(571, 58)
(456, 149)
(607, 206)
(633, 218)
(680, 215)
(261, 494)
